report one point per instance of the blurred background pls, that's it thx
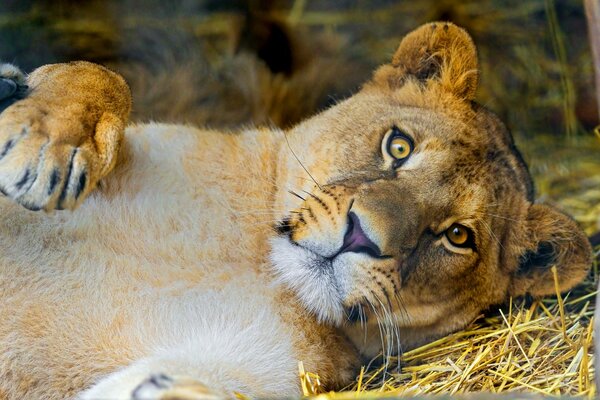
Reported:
(230, 63)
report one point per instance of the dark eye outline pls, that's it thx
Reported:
(468, 244)
(397, 133)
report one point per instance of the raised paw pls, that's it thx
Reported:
(46, 162)
(56, 144)
(163, 387)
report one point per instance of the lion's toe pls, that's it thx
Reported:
(40, 172)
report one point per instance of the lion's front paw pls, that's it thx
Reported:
(163, 387)
(51, 157)
(36, 169)
(64, 136)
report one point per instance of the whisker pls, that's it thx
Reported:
(402, 306)
(383, 333)
(489, 229)
(311, 195)
(300, 162)
(296, 194)
(394, 335)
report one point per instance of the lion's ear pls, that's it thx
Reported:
(552, 239)
(438, 52)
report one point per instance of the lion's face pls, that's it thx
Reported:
(423, 214)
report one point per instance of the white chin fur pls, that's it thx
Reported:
(313, 278)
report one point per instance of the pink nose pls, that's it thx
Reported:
(356, 241)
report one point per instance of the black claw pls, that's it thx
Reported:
(54, 179)
(63, 193)
(80, 184)
(19, 185)
(9, 145)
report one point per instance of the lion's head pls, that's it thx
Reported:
(423, 215)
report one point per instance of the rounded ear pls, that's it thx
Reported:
(438, 52)
(553, 240)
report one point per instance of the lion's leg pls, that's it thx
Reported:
(64, 136)
(174, 377)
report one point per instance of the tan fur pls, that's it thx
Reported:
(169, 281)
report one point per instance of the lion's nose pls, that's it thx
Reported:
(357, 241)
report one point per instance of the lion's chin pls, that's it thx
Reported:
(320, 283)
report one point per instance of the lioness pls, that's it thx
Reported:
(400, 214)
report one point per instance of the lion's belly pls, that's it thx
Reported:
(159, 219)
(152, 258)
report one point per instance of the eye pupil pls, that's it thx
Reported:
(458, 235)
(399, 146)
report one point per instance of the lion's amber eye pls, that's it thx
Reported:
(399, 145)
(399, 148)
(459, 235)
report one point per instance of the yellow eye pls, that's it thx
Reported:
(459, 235)
(399, 145)
(399, 148)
